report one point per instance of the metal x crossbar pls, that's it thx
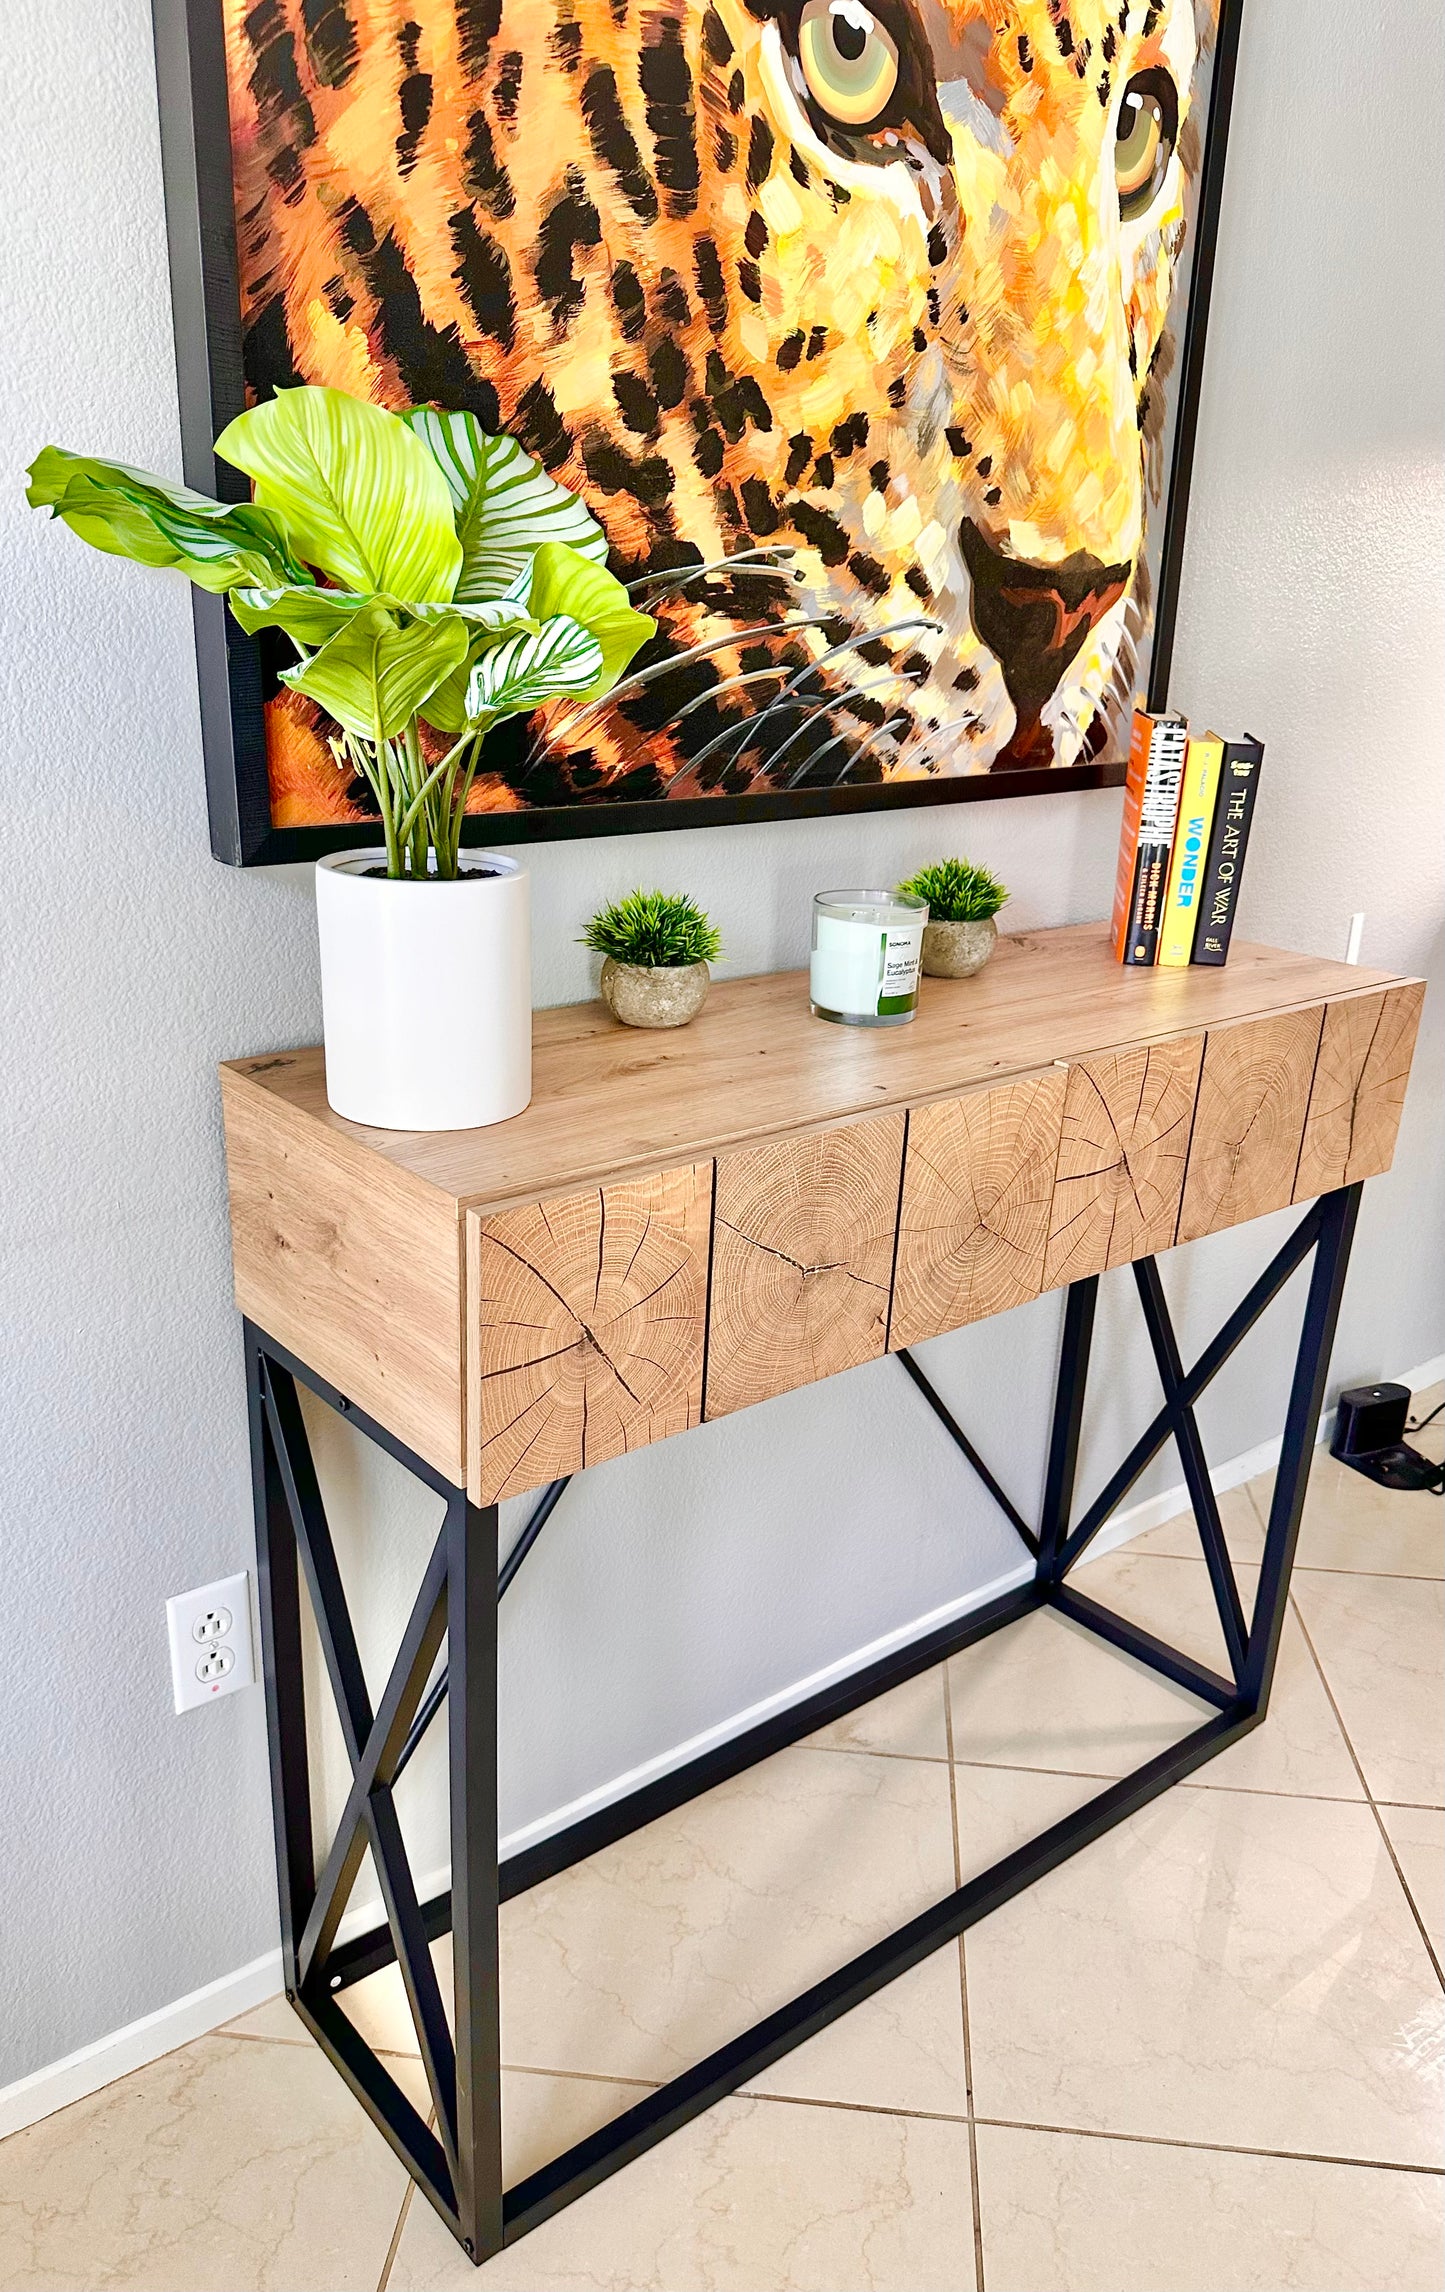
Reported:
(459, 2165)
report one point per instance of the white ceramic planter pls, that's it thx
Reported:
(426, 992)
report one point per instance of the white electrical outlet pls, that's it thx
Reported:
(210, 1633)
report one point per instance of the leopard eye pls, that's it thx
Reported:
(849, 62)
(1144, 140)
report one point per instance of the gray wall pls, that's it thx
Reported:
(677, 1588)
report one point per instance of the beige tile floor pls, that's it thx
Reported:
(1206, 2055)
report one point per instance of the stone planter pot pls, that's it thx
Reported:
(641, 996)
(957, 950)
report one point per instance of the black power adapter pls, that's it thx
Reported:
(1369, 1423)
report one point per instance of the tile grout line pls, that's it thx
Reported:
(401, 2218)
(866, 1750)
(395, 2245)
(1217, 2148)
(305, 2042)
(1231, 1790)
(1252, 1560)
(963, 1990)
(1387, 1841)
(1387, 1575)
(1101, 2133)
(582, 2076)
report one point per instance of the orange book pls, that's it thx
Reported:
(1140, 734)
(1151, 801)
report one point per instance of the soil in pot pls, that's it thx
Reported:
(380, 874)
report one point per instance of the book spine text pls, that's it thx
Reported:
(1233, 813)
(1158, 813)
(1191, 849)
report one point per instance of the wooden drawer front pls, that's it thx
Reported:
(1249, 1120)
(585, 1330)
(1125, 1142)
(802, 1256)
(358, 1274)
(1359, 1088)
(977, 1182)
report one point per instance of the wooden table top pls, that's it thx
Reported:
(756, 1064)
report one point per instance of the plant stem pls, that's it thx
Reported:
(458, 809)
(414, 778)
(420, 800)
(373, 770)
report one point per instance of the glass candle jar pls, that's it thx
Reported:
(867, 947)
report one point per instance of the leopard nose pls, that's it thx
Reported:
(1034, 619)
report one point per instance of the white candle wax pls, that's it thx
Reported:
(866, 952)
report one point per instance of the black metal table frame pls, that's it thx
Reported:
(459, 2165)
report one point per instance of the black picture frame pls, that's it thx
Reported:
(205, 291)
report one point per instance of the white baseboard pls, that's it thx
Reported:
(620, 1785)
(1138, 1519)
(47, 2090)
(1429, 1373)
(206, 2009)
(170, 2026)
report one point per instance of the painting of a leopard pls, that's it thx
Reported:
(854, 322)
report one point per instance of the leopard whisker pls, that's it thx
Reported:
(729, 684)
(760, 676)
(968, 717)
(836, 700)
(950, 724)
(640, 677)
(800, 676)
(676, 577)
(862, 749)
(887, 674)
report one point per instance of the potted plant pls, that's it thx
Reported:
(657, 947)
(963, 900)
(433, 580)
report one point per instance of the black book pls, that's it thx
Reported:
(1233, 812)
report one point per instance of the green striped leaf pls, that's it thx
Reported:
(519, 673)
(310, 617)
(504, 503)
(130, 513)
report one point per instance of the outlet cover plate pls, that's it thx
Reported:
(208, 1624)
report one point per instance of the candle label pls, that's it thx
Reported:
(865, 969)
(901, 950)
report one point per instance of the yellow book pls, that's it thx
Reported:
(1191, 847)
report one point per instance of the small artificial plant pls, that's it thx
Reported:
(427, 574)
(957, 891)
(657, 930)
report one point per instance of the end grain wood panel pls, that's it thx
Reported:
(585, 1327)
(353, 1264)
(1359, 1088)
(977, 1183)
(1249, 1120)
(1125, 1142)
(802, 1257)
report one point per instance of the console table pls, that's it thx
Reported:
(683, 1224)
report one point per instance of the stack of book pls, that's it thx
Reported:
(1188, 806)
